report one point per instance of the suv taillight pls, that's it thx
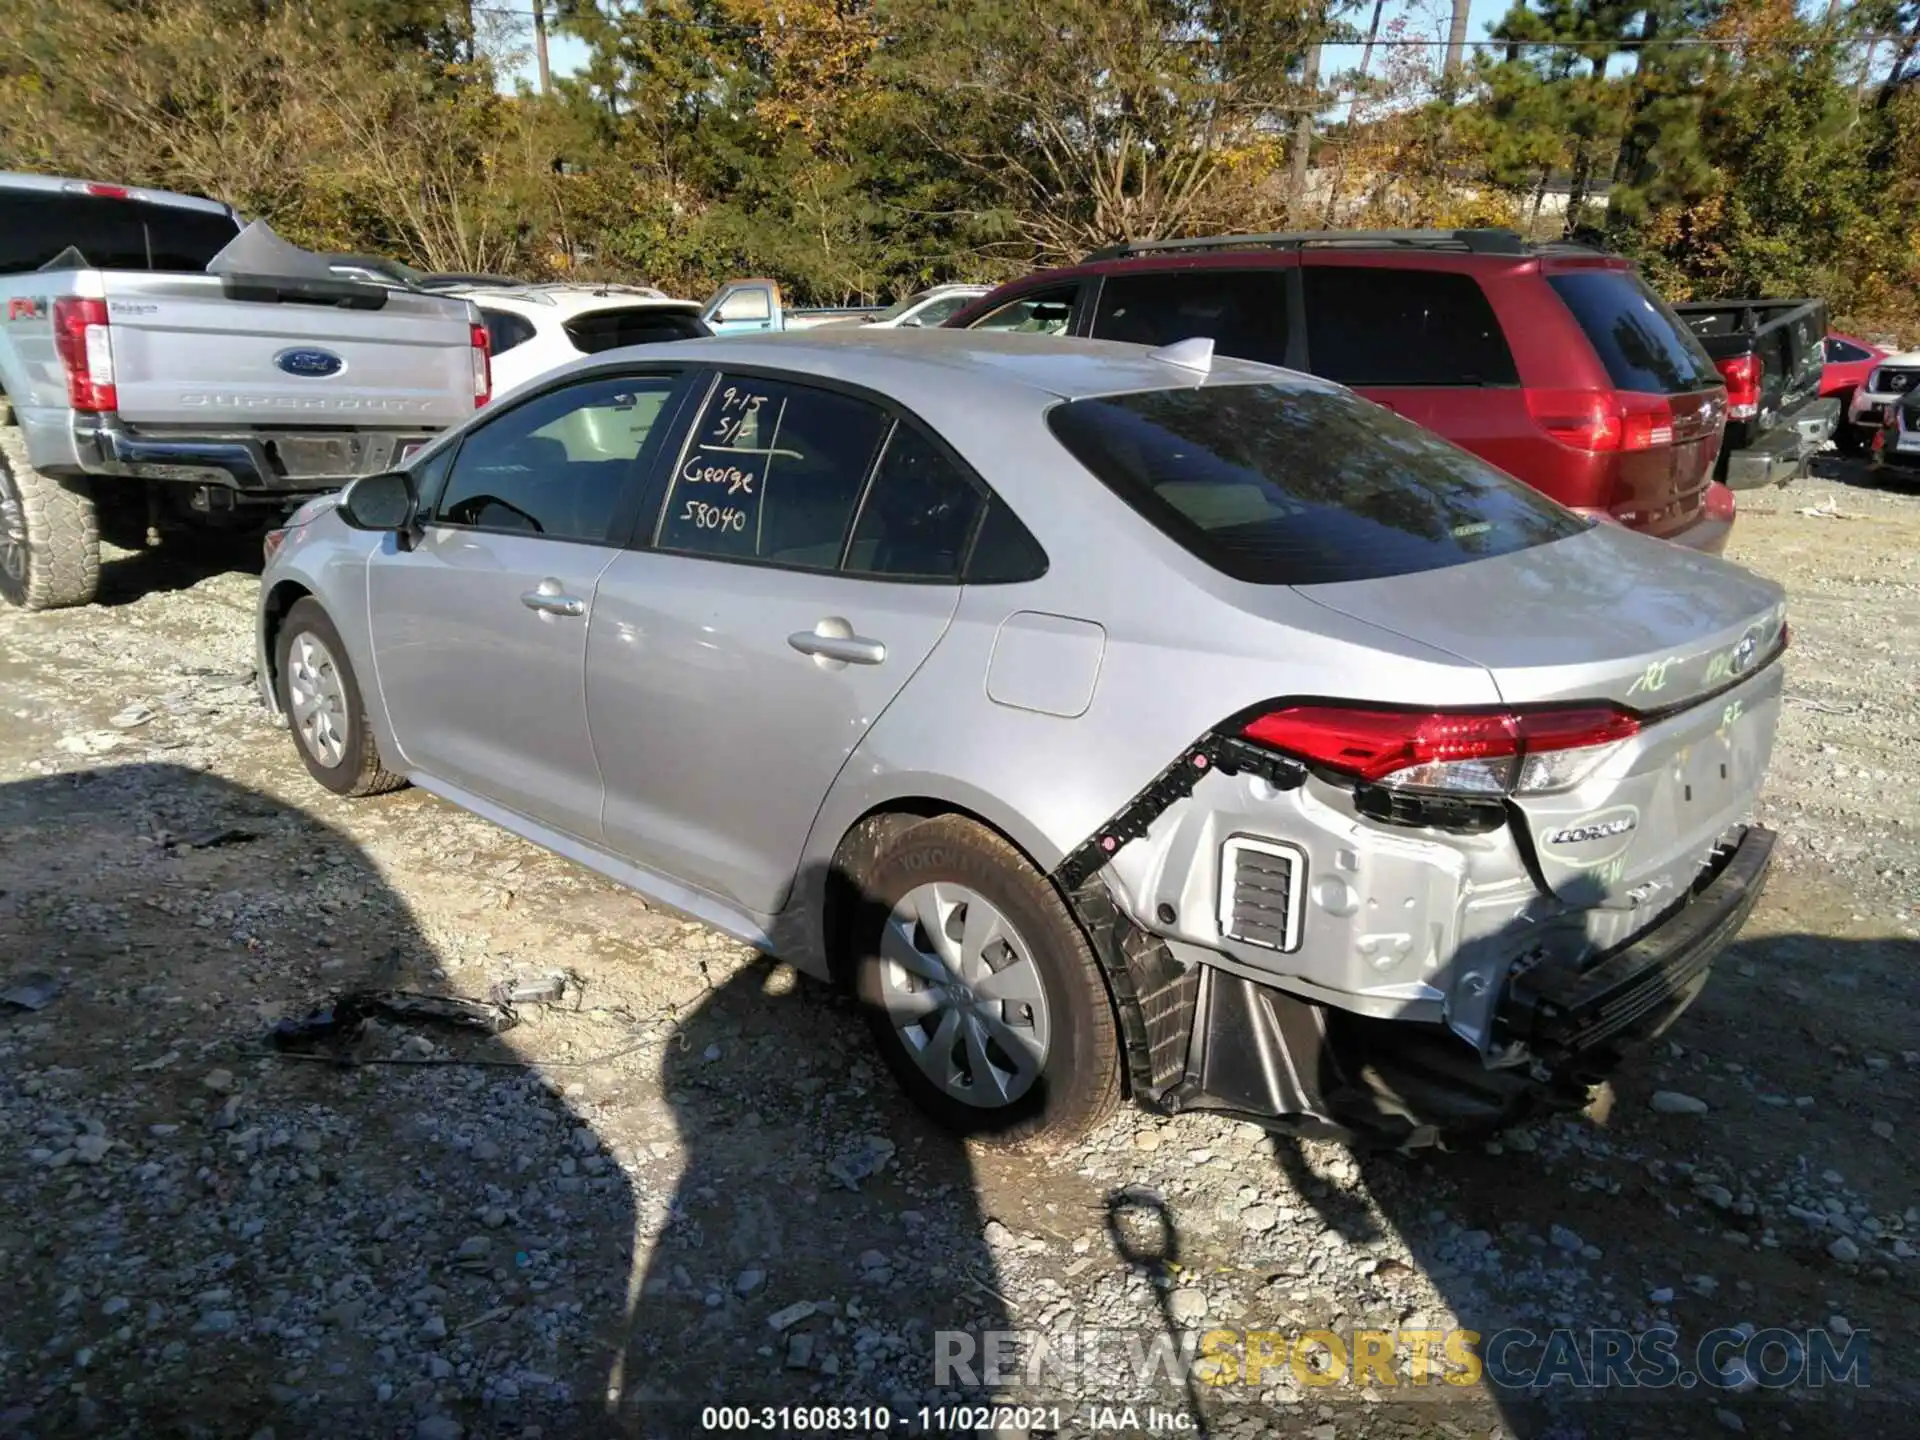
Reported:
(1742, 374)
(85, 347)
(1464, 752)
(1602, 421)
(482, 352)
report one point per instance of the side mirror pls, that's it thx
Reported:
(380, 502)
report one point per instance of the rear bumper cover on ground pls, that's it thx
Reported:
(1201, 1038)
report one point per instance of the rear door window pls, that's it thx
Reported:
(110, 234)
(1280, 486)
(1244, 312)
(1645, 347)
(772, 472)
(1369, 326)
(918, 514)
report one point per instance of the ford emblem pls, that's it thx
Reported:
(310, 363)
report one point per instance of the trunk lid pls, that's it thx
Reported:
(185, 352)
(1685, 640)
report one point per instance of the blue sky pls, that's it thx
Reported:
(566, 54)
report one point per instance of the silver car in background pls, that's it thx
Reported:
(1111, 720)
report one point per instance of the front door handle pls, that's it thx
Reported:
(549, 597)
(832, 644)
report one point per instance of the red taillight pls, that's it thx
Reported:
(85, 347)
(482, 353)
(1602, 421)
(95, 188)
(1468, 751)
(1742, 374)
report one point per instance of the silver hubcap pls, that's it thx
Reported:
(963, 995)
(13, 531)
(317, 699)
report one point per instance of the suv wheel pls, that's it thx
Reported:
(322, 702)
(981, 990)
(49, 538)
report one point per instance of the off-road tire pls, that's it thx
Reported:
(62, 535)
(1079, 1084)
(359, 771)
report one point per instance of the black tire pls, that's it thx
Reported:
(359, 770)
(1079, 1081)
(49, 535)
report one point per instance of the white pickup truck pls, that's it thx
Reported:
(156, 356)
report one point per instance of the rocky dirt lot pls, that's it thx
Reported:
(689, 1183)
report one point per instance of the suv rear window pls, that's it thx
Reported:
(1646, 347)
(599, 330)
(1279, 486)
(1372, 326)
(36, 225)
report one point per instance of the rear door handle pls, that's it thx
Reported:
(549, 597)
(833, 644)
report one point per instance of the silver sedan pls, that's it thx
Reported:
(1112, 721)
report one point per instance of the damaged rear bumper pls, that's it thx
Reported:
(1200, 1037)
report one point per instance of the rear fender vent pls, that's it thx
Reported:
(1262, 886)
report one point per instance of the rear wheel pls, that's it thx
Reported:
(49, 537)
(322, 702)
(981, 990)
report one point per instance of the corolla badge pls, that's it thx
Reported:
(1593, 838)
(309, 362)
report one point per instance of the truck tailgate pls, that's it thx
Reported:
(186, 353)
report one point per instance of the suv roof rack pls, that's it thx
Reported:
(1479, 242)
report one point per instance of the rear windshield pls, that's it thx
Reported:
(639, 325)
(1644, 345)
(1287, 487)
(36, 225)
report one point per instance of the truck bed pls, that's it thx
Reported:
(1783, 419)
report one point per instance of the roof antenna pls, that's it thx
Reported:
(1195, 354)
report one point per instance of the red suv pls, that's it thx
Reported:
(1555, 362)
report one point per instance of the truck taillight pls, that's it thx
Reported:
(1465, 752)
(1602, 421)
(1742, 374)
(85, 347)
(482, 366)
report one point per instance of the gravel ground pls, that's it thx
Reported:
(688, 1183)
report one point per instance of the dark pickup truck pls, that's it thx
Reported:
(1771, 354)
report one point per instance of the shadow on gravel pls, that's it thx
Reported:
(1859, 473)
(181, 561)
(1510, 1245)
(820, 1237)
(199, 1237)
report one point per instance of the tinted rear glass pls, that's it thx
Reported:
(1286, 487)
(1368, 325)
(35, 226)
(1645, 347)
(611, 329)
